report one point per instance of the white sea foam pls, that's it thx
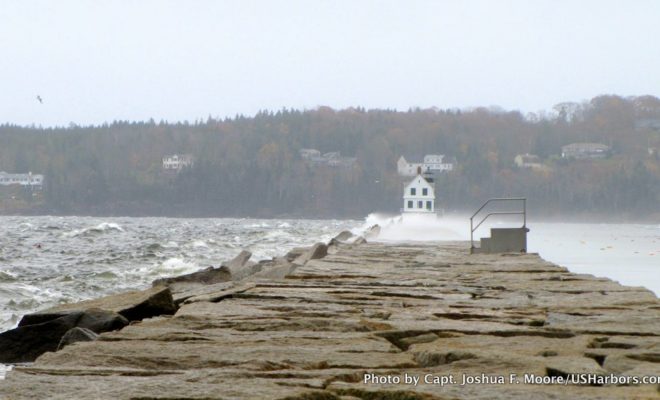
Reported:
(100, 228)
(199, 243)
(174, 266)
(415, 227)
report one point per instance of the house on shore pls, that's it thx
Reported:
(34, 181)
(419, 195)
(531, 161)
(432, 163)
(177, 162)
(333, 159)
(585, 151)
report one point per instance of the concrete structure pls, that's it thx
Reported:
(32, 180)
(177, 162)
(504, 240)
(585, 151)
(528, 161)
(433, 163)
(501, 240)
(419, 196)
(325, 329)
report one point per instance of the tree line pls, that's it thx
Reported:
(250, 166)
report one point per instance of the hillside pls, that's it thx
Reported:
(251, 166)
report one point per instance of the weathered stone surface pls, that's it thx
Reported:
(314, 331)
(134, 305)
(206, 276)
(240, 260)
(278, 269)
(240, 267)
(372, 232)
(343, 236)
(317, 251)
(76, 334)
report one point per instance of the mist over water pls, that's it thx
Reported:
(627, 253)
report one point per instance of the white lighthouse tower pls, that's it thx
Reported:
(419, 195)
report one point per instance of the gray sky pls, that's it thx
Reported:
(96, 61)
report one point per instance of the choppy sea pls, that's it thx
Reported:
(46, 261)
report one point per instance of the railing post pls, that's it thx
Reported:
(473, 228)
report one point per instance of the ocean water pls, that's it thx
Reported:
(45, 261)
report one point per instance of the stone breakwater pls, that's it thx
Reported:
(362, 321)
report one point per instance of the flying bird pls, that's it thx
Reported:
(41, 101)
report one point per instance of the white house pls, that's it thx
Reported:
(404, 168)
(585, 151)
(29, 179)
(419, 196)
(330, 159)
(309, 154)
(432, 163)
(177, 161)
(528, 161)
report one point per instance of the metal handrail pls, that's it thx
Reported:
(498, 199)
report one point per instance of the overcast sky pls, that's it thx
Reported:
(97, 61)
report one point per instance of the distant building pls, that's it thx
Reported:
(331, 159)
(431, 163)
(585, 151)
(528, 161)
(177, 162)
(32, 180)
(309, 154)
(419, 195)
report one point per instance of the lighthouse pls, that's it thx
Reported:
(419, 195)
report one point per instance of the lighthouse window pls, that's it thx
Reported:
(425, 192)
(413, 191)
(428, 205)
(420, 204)
(410, 204)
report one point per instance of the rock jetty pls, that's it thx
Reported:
(363, 320)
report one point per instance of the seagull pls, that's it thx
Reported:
(41, 101)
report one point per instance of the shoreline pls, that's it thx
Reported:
(567, 218)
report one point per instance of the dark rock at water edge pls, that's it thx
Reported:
(94, 319)
(26, 343)
(39, 333)
(42, 331)
(76, 334)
